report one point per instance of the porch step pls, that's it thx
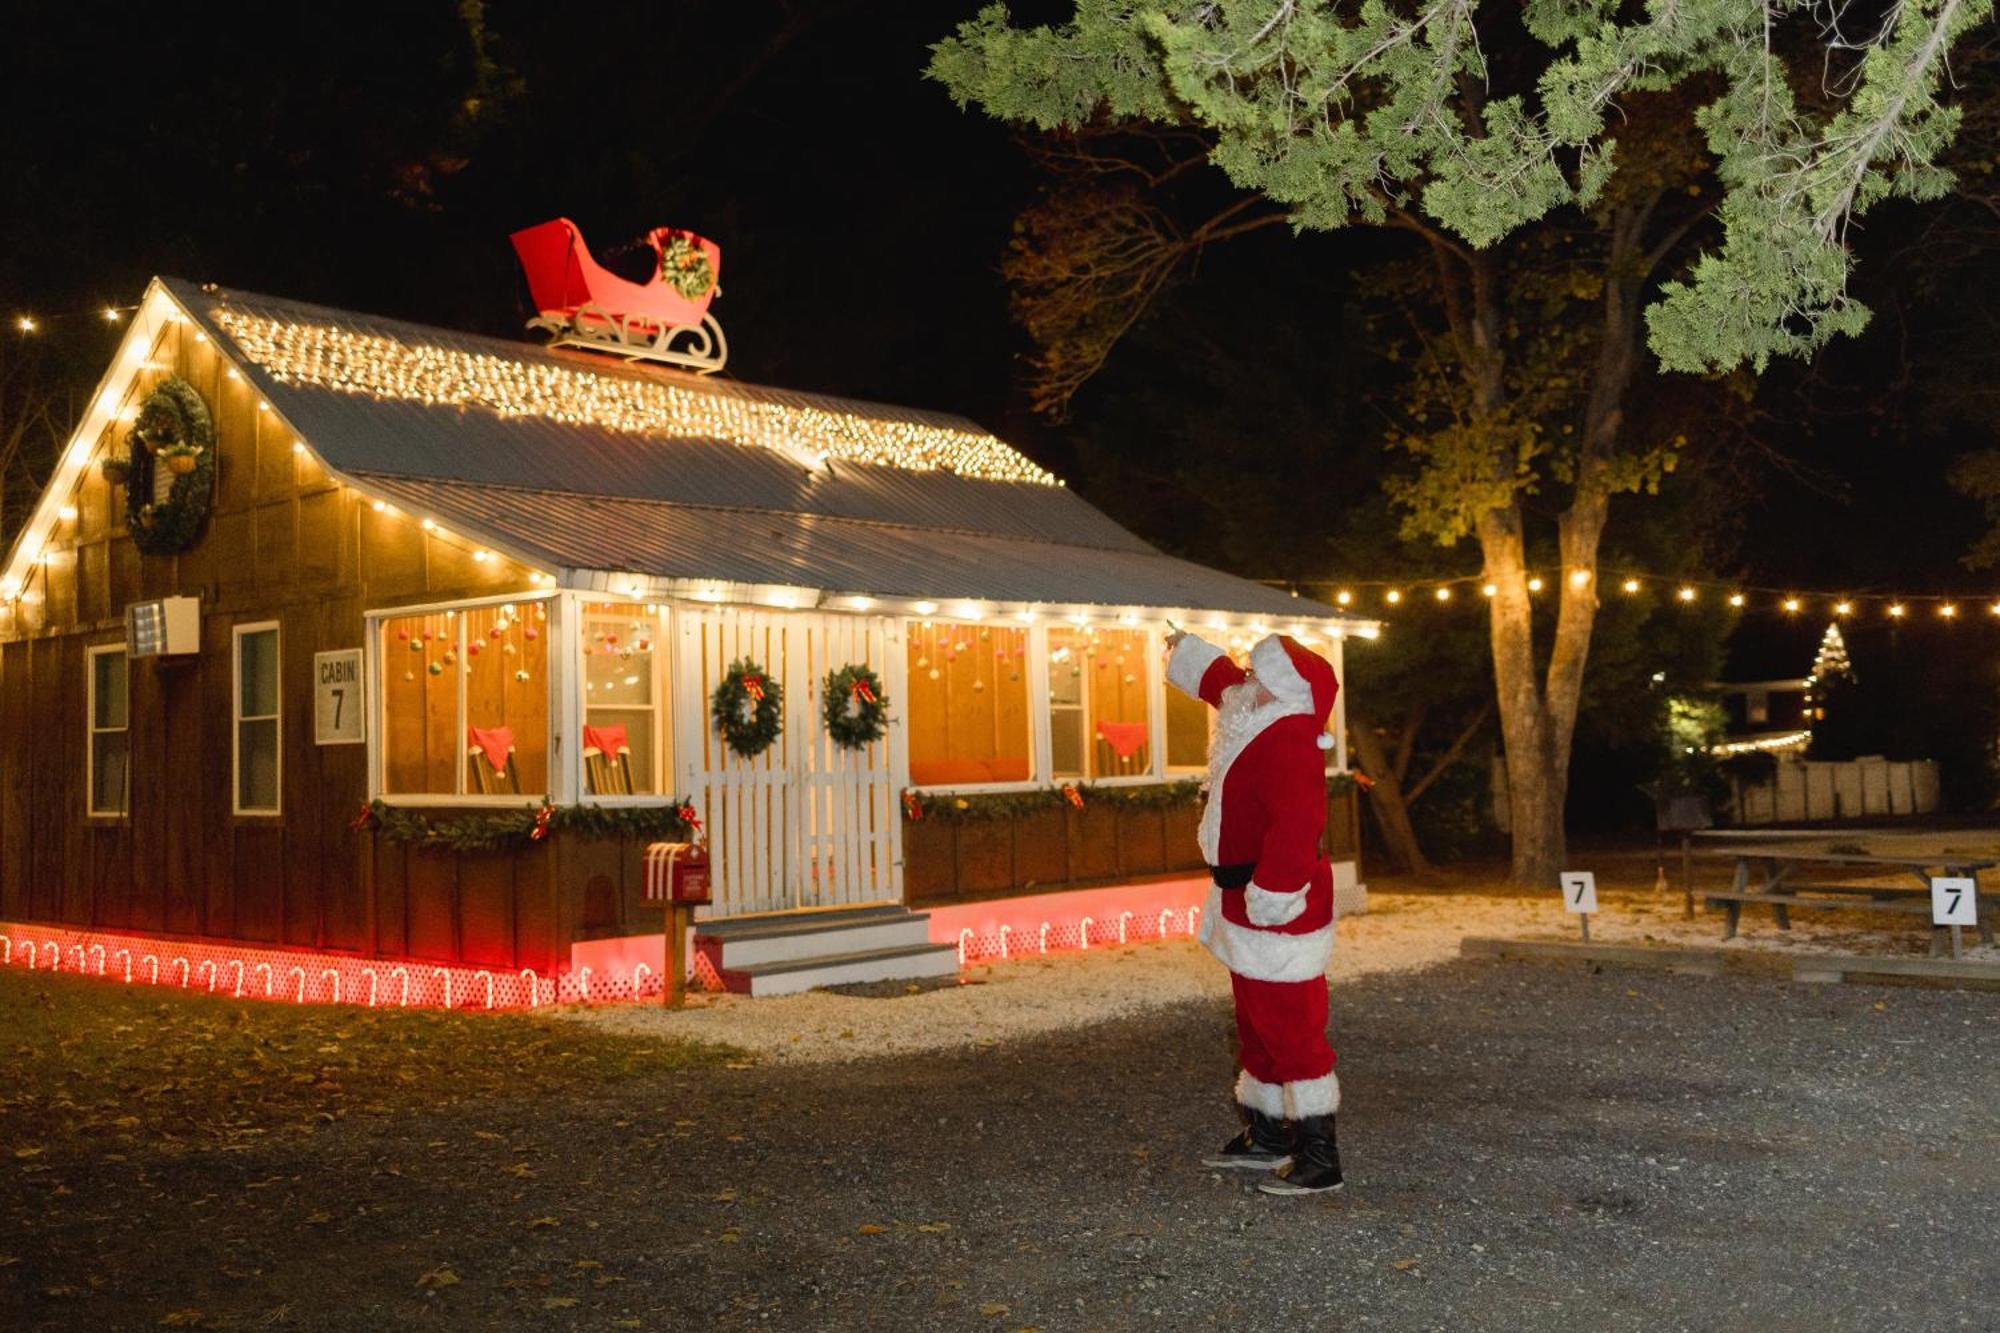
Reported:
(801, 936)
(839, 969)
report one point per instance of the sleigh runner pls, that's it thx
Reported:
(581, 303)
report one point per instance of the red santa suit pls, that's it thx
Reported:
(1269, 916)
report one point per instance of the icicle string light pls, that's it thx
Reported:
(328, 357)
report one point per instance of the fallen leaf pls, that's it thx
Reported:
(438, 1277)
(725, 1196)
(183, 1319)
(33, 1150)
(934, 1227)
(586, 1263)
(523, 1170)
(1403, 1265)
(993, 1309)
(730, 1237)
(543, 1222)
(318, 1219)
(558, 1302)
(870, 1229)
(627, 1323)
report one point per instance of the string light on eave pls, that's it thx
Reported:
(347, 361)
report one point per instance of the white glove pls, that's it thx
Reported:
(1265, 908)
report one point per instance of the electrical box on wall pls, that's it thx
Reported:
(165, 628)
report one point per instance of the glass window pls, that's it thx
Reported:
(1187, 731)
(110, 749)
(1100, 685)
(465, 701)
(623, 731)
(257, 740)
(967, 711)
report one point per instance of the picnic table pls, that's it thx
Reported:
(1793, 877)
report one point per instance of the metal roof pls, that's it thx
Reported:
(587, 496)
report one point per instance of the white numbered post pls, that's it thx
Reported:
(1579, 890)
(1954, 903)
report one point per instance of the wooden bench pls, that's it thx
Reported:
(1784, 868)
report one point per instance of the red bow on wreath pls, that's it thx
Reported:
(862, 692)
(754, 687)
(1072, 795)
(690, 818)
(362, 820)
(913, 809)
(542, 818)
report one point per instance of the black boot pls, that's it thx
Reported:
(1264, 1145)
(1315, 1164)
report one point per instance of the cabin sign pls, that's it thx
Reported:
(337, 710)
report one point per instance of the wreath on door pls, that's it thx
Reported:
(174, 433)
(748, 708)
(854, 708)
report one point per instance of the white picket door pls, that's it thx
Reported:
(808, 823)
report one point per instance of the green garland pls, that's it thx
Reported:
(515, 829)
(977, 807)
(748, 719)
(685, 267)
(172, 421)
(854, 708)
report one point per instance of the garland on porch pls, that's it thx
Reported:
(854, 708)
(520, 828)
(976, 807)
(748, 708)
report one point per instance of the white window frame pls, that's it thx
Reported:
(663, 737)
(1155, 706)
(91, 731)
(564, 764)
(237, 719)
(1038, 713)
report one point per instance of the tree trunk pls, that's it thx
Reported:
(1392, 812)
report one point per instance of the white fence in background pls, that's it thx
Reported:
(1802, 789)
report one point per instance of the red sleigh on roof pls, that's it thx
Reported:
(583, 304)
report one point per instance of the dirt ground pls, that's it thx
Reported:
(1528, 1147)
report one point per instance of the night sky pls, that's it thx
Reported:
(862, 218)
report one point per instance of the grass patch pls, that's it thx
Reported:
(98, 1068)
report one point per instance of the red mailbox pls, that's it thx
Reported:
(677, 872)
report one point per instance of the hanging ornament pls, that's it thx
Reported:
(495, 632)
(979, 687)
(428, 636)
(409, 675)
(985, 634)
(934, 673)
(403, 634)
(924, 662)
(532, 632)
(436, 668)
(959, 647)
(450, 656)
(416, 647)
(507, 648)
(1130, 678)
(472, 649)
(520, 675)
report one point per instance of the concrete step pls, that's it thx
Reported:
(795, 937)
(794, 975)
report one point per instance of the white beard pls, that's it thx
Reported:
(1245, 711)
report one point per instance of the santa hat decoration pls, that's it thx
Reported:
(1298, 676)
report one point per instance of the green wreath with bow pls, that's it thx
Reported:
(854, 708)
(684, 266)
(748, 708)
(173, 431)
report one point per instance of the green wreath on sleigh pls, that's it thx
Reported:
(748, 708)
(852, 705)
(173, 431)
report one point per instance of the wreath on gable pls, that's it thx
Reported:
(748, 708)
(684, 266)
(173, 437)
(854, 708)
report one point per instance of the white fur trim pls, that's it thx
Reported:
(1263, 955)
(1258, 1095)
(1276, 673)
(1289, 1101)
(1189, 662)
(1269, 907)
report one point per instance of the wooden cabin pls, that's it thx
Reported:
(418, 651)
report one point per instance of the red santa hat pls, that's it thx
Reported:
(1297, 676)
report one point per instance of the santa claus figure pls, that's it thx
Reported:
(1269, 915)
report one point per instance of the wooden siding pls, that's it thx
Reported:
(286, 542)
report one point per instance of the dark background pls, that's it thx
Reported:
(375, 156)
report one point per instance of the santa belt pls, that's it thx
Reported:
(1233, 876)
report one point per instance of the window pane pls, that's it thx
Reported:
(967, 713)
(620, 642)
(258, 673)
(420, 736)
(257, 764)
(1104, 676)
(107, 772)
(1187, 731)
(108, 692)
(506, 698)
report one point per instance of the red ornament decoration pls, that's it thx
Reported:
(363, 820)
(754, 687)
(690, 818)
(542, 818)
(913, 809)
(1072, 795)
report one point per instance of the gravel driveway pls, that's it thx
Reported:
(1528, 1147)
